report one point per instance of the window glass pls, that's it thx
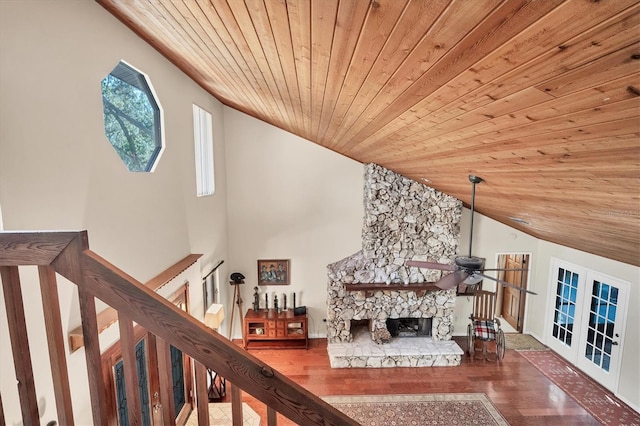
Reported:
(132, 118)
(203, 140)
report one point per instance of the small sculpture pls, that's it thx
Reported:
(275, 302)
(256, 300)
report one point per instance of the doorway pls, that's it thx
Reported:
(511, 300)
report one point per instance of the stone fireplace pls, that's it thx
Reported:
(370, 291)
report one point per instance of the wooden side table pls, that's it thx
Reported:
(268, 329)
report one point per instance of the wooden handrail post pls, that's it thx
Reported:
(92, 355)
(236, 405)
(202, 396)
(272, 416)
(20, 344)
(55, 341)
(164, 376)
(130, 369)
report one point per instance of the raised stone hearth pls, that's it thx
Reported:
(403, 220)
(399, 352)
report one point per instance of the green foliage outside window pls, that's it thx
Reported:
(131, 118)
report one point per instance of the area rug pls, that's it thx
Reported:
(595, 399)
(523, 342)
(428, 409)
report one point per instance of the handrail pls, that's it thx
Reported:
(109, 316)
(68, 254)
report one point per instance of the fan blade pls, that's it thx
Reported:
(430, 265)
(451, 280)
(505, 283)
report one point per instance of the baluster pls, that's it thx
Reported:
(272, 416)
(92, 355)
(202, 397)
(20, 344)
(236, 405)
(165, 379)
(55, 340)
(131, 385)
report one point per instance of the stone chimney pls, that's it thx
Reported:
(403, 219)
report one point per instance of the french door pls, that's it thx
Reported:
(148, 371)
(588, 320)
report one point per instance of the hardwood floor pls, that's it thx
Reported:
(521, 393)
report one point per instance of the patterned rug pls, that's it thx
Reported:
(429, 409)
(598, 401)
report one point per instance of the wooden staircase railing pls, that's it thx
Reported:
(68, 254)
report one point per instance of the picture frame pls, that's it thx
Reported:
(274, 272)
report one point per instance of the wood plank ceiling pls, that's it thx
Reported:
(540, 98)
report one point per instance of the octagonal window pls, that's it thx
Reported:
(132, 118)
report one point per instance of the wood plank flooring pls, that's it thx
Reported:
(522, 394)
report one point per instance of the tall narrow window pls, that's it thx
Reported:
(203, 139)
(132, 118)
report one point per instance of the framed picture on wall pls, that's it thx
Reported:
(274, 272)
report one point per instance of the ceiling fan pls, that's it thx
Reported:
(466, 270)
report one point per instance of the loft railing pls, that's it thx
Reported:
(68, 254)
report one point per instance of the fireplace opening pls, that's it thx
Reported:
(409, 327)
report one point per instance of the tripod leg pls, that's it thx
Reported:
(233, 307)
(240, 313)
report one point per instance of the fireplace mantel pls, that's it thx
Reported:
(392, 287)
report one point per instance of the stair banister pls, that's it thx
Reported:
(69, 255)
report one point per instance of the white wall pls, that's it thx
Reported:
(57, 170)
(289, 199)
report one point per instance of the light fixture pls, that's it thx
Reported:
(214, 316)
(473, 279)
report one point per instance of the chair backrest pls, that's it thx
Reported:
(484, 305)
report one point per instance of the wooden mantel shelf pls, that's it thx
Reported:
(392, 287)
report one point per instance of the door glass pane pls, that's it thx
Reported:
(118, 371)
(602, 317)
(177, 373)
(123, 416)
(565, 305)
(143, 381)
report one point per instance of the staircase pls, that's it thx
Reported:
(67, 254)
